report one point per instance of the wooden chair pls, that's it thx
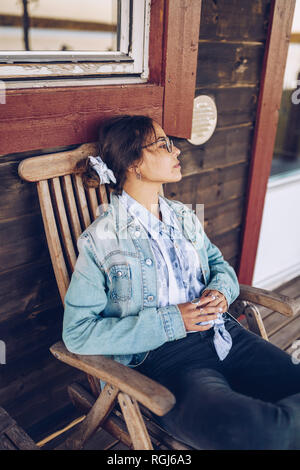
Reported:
(67, 209)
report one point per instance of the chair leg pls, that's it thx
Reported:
(84, 401)
(135, 423)
(254, 320)
(94, 384)
(96, 416)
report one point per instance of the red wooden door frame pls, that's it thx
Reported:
(281, 16)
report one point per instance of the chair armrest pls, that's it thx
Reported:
(278, 302)
(151, 394)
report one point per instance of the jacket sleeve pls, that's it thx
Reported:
(87, 331)
(222, 276)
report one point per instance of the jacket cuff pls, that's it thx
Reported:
(172, 322)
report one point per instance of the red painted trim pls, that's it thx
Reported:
(181, 53)
(281, 17)
(53, 117)
(156, 41)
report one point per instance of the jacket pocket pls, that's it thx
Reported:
(121, 282)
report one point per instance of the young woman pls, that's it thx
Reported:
(150, 290)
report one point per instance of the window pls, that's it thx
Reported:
(286, 157)
(56, 40)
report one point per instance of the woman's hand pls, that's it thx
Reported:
(219, 301)
(207, 308)
(191, 314)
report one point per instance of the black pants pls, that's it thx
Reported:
(250, 400)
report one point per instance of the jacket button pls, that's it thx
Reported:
(150, 298)
(119, 273)
(149, 261)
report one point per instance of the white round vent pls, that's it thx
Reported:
(204, 119)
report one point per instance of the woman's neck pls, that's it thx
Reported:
(145, 196)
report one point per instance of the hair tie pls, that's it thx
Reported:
(105, 174)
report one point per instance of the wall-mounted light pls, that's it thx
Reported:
(204, 119)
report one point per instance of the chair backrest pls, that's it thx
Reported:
(67, 207)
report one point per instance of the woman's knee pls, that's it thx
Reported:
(209, 415)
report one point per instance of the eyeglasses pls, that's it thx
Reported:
(168, 142)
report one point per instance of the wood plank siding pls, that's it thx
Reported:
(231, 49)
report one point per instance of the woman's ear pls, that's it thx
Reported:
(132, 169)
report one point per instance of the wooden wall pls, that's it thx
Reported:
(32, 382)
(231, 48)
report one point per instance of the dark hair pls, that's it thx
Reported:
(120, 145)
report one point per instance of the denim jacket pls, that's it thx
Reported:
(110, 305)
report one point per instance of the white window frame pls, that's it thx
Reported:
(128, 65)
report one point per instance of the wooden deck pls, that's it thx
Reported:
(282, 331)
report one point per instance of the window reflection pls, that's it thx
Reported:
(287, 147)
(59, 25)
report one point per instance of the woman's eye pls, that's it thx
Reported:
(164, 146)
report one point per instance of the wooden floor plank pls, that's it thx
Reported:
(275, 322)
(120, 446)
(12, 436)
(286, 336)
(282, 330)
(101, 440)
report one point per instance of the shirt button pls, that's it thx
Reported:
(137, 233)
(150, 298)
(149, 261)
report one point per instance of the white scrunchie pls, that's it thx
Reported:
(105, 174)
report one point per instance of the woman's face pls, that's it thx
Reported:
(157, 163)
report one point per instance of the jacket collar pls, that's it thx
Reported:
(123, 218)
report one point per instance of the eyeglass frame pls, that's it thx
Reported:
(167, 140)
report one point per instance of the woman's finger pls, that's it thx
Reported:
(204, 300)
(194, 317)
(203, 318)
(215, 293)
(212, 309)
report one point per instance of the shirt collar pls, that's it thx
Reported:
(150, 222)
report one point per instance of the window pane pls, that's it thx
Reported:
(59, 25)
(286, 156)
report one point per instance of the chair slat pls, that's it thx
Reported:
(93, 202)
(102, 194)
(82, 202)
(71, 206)
(63, 223)
(55, 249)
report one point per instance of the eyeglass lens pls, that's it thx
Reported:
(169, 143)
